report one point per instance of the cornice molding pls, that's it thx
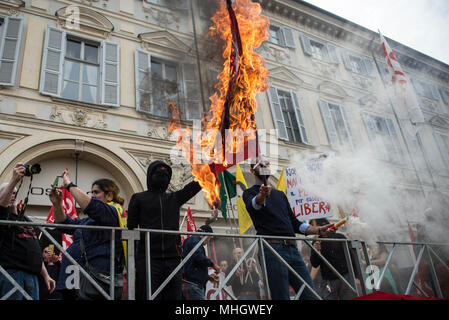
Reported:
(339, 29)
(164, 41)
(91, 22)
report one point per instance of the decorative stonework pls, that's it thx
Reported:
(276, 53)
(12, 5)
(362, 81)
(325, 69)
(164, 41)
(328, 88)
(78, 116)
(284, 75)
(91, 22)
(160, 132)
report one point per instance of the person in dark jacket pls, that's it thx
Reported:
(158, 209)
(102, 209)
(272, 215)
(332, 288)
(196, 273)
(20, 252)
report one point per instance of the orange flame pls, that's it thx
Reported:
(251, 79)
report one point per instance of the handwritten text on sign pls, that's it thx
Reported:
(305, 206)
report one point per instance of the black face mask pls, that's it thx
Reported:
(263, 177)
(266, 173)
(161, 179)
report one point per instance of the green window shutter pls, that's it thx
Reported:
(276, 112)
(52, 62)
(110, 86)
(9, 50)
(142, 67)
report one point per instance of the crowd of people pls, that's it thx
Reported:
(41, 274)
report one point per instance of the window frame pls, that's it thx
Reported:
(389, 141)
(52, 72)
(335, 141)
(182, 81)
(81, 61)
(278, 115)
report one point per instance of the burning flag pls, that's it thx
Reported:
(230, 133)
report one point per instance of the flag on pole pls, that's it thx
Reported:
(244, 218)
(281, 185)
(191, 227)
(227, 182)
(234, 62)
(68, 206)
(401, 84)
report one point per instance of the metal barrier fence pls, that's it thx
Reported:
(353, 249)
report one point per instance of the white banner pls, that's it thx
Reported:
(306, 206)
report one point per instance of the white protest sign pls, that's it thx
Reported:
(306, 206)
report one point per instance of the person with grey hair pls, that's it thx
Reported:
(21, 254)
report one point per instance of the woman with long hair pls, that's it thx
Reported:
(103, 208)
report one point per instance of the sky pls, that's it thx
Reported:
(419, 24)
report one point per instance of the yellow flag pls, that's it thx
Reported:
(282, 186)
(244, 219)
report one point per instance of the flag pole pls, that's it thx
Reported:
(397, 119)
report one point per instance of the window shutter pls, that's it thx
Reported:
(347, 62)
(434, 90)
(300, 118)
(369, 67)
(9, 50)
(348, 128)
(373, 137)
(52, 62)
(332, 51)
(142, 67)
(191, 92)
(276, 112)
(288, 37)
(110, 86)
(443, 148)
(445, 95)
(394, 137)
(305, 42)
(328, 124)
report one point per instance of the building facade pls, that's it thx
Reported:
(90, 94)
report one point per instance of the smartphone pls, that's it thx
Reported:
(51, 248)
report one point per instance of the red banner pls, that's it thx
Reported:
(68, 206)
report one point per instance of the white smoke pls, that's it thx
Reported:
(359, 180)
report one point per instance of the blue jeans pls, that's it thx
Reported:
(193, 291)
(29, 282)
(280, 278)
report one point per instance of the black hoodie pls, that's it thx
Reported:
(157, 209)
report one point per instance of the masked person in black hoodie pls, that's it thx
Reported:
(158, 209)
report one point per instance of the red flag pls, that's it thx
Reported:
(68, 206)
(399, 79)
(354, 212)
(191, 227)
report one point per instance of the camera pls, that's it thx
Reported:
(32, 169)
